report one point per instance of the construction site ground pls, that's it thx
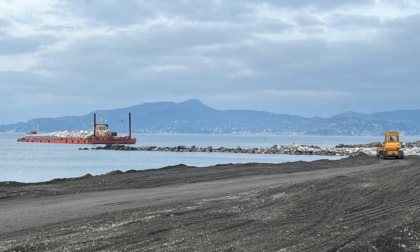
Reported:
(358, 203)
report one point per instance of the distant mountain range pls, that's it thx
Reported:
(193, 116)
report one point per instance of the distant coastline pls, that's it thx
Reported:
(194, 117)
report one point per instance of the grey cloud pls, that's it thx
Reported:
(348, 21)
(3, 24)
(307, 20)
(110, 12)
(10, 46)
(320, 4)
(127, 12)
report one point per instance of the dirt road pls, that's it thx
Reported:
(360, 203)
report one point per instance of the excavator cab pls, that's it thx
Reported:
(392, 139)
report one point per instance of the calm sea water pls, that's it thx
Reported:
(35, 162)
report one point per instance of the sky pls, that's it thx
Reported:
(300, 57)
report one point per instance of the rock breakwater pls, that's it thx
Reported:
(412, 148)
(292, 149)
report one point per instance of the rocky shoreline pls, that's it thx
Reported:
(411, 148)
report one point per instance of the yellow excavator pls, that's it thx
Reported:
(391, 146)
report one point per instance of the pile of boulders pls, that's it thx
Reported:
(368, 145)
(411, 144)
(83, 134)
(411, 151)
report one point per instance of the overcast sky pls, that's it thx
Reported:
(301, 57)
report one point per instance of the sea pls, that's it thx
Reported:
(38, 162)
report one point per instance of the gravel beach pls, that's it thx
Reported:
(358, 203)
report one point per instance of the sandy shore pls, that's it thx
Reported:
(356, 204)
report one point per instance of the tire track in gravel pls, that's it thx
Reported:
(329, 213)
(395, 185)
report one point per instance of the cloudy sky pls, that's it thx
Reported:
(301, 57)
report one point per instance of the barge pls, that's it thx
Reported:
(100, 135)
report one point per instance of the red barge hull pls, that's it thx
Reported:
(90, 140)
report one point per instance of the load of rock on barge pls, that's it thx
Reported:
(100, 135)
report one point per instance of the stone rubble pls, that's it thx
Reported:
(291, 149)
(83, 134)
